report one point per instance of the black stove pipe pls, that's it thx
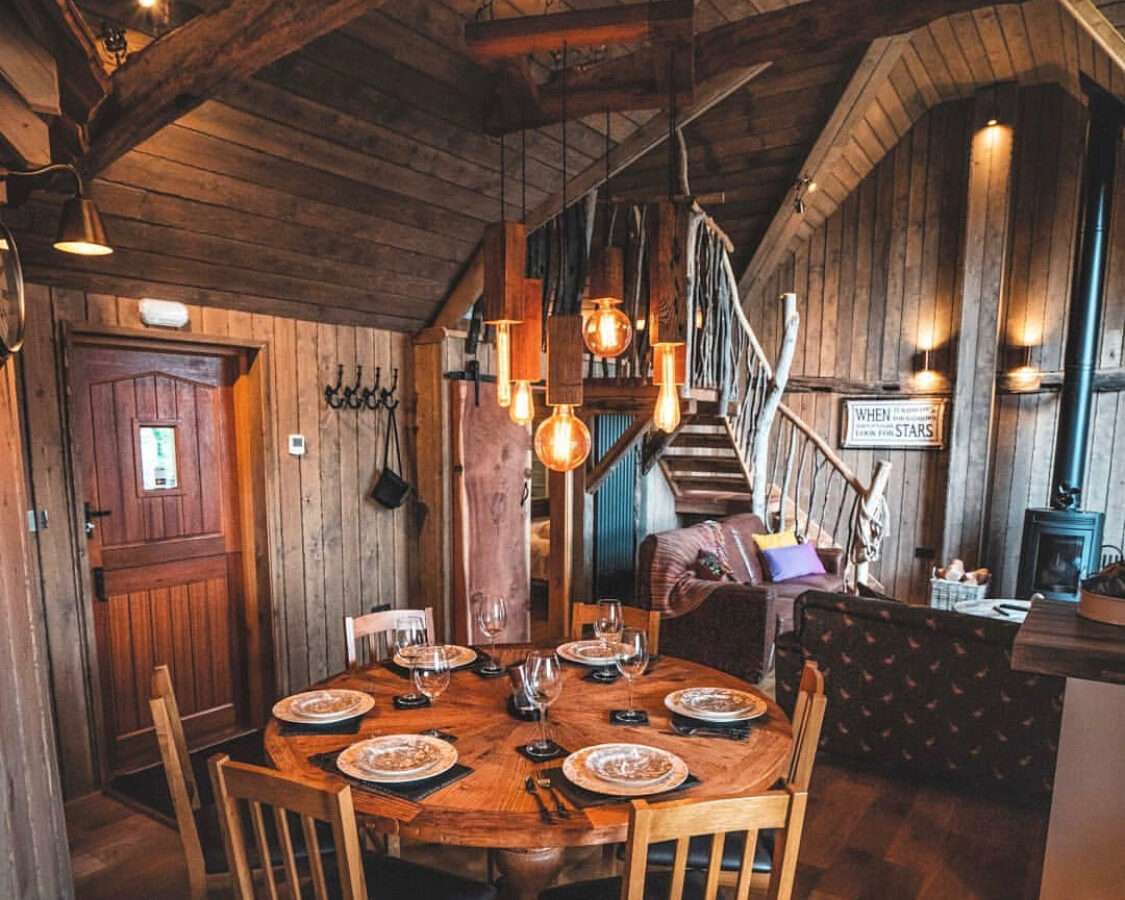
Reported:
(1087, 292)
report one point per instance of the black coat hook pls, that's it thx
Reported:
(332, 391)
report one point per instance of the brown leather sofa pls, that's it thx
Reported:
(729, 624)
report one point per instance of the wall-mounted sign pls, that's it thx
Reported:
(894, 424)
(158, 457)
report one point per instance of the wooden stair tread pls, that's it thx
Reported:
(706, 465)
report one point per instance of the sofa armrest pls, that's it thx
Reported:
(732, 630)
(833, 560)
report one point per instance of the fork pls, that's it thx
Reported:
(544, 813)
(560, 810)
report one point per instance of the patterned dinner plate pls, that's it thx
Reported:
(459, 657)
(716, 704)
(396, 758)
(323, 707)
(588, 653)
(625, 770)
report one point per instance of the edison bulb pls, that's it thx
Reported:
(607, 331)
(522, 410)
(562, 442)
(666, 416)
(503, 364)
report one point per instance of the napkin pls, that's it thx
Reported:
(736, 731)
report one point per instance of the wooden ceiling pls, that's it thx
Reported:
(351, 180)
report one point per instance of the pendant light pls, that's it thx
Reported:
(607, 331)
(667, 298)
(527, 335)
(505, 260)
(562, 442)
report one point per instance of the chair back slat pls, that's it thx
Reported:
(374, 625)
(808, 719)
(746, 865)
(583, 614)
(714, 866)
(160, 685)
(238, 782)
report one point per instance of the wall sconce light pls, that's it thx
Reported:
(804, 186)
(1024, 376)
(926, 377)
(80, 225)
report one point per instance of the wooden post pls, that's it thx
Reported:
(981, 287)
(759, 453)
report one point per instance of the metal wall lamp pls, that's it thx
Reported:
(80, 225)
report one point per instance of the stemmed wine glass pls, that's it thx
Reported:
(544, 684)
(632, 659)
(431, 676)
(492, 617)
(607, 628)
(409, 635)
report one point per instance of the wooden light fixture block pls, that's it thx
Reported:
(504, 249)
(607, 274)
(520, 35)
(564, 360)
(527, 334)
(667, 273)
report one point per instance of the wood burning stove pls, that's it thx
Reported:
(1062, 545)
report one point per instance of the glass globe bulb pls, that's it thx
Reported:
(666, 416)
(562, 442)
(522, 410)
(607, 331)
(503, 364)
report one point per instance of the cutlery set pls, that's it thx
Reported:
(532, 785)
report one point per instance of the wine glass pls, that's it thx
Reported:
(492, 617)
(607, 628)
(544, 684)
(409, 635)
(632, 659)
(431, 676)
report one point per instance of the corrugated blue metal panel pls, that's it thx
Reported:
(614, 514)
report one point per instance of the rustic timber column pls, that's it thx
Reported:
(980, 289)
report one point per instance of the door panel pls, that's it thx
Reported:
(155, 441)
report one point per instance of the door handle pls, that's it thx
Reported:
(99, 584)
(92, 514)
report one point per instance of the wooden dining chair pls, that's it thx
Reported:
(348, 873)
(583, 614)
(372, 625)
(682, 822)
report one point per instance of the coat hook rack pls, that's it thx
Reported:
(358, 396)
(332, 391)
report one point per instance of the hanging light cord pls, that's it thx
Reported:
(523, 176)
(503, 205)
(671, 125)
(608, 192)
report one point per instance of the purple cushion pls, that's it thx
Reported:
(792, 562)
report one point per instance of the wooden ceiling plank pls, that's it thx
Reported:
(187, 65)
(22, 131)
(27, 66)
(1100, 29)
(987, 20)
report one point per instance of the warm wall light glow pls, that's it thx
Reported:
(522, 410)
(992, 122)
(812, 187)
(607, 331)
(666, 416)
(927, 380)
(147, 4)
(503, 364)
(562, 442)
(1026, 378)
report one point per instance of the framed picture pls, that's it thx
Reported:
(916, 423)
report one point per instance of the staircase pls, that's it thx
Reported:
(703, 468)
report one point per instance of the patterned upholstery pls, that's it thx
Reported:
(924, 690)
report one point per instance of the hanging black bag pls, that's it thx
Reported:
(391, 488)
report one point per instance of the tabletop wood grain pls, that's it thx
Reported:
(489, 808)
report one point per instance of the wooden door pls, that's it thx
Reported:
(491, 511)
(156, 445)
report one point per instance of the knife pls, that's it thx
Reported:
(544, 813)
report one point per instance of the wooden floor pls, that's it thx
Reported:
(868, 837)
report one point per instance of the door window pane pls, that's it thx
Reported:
(158, 457)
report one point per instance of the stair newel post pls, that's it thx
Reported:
(759, 454)
(870, 524)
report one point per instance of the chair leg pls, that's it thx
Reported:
(609, 859)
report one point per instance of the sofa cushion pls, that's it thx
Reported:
(709, 567)
(797, 561)
(766, 541)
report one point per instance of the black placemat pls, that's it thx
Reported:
(560, 753)
(580, 797)
(617, 717)
(347, 726)
(524, 715)
(735, 731)
(411, 790)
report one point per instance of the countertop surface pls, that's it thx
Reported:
(1055, 640)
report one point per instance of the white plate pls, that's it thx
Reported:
(578, 769)
(397, 758)
(458, 656)
(588, 653)
(348, 705)
(988, 609)
(716, 704)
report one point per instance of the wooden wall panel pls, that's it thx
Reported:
(333, 551)
(887, 260)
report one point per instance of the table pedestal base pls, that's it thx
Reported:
(527, 872)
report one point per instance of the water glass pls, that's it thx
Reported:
(632, 659)
(492, 618)
(608, 622)
(409, 636)
(431, 676)
(544, 685)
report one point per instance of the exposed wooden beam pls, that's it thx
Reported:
(1093, 21)
(27, 66)
(186, 66)
(868, 79)
(22, 133)
(650, 135)
(628, 440)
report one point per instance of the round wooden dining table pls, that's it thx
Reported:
(490, 807)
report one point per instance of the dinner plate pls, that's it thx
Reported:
(397, 758)
(323, 707)
(716, 704)
(588, 653)
(459, 657)
(625, 770)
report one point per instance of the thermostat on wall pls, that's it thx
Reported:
(296, 445)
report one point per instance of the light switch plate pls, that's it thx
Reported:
(296, 445)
